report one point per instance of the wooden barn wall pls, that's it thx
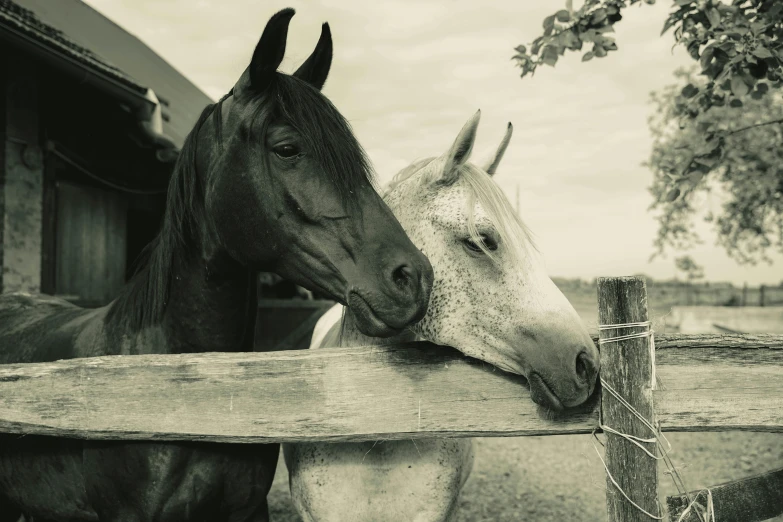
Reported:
(91, 243)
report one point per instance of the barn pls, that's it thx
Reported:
(91, 122)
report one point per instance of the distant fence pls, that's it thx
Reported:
(770, 296)
(413, 391)
(665, 294)
(700, 295)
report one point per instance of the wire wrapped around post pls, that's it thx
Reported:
(627, 377)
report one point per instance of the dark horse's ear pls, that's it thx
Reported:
(270, 50)
(316, 68)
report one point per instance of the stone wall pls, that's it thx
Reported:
(21, 182)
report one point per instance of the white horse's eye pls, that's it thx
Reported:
(489, 244)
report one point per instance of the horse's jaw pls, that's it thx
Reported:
(351, 336)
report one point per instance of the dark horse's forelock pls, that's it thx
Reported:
(327, 137)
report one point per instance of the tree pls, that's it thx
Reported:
(688, 266)
(726, 116)
(733, 152)
(692, 271)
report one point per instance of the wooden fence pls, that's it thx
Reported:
(701, 294)
(419, 390)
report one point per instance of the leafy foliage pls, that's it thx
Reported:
(721, 126)
(736, 45)
(733, 152)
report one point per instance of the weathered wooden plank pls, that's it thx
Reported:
(370, 393)
(732, 341)
(713, 340)
(706, 389)
(627, 371)
(751, 499)
(348, 394)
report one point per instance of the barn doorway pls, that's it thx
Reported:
(91, 251)
(94, 234)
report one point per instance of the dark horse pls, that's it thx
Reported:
(272, 179)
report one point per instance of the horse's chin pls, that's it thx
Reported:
(365, 319)
(540, 391)
(542, 394)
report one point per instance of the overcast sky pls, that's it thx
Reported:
(408, 74)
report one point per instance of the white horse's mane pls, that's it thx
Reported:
(486, 192)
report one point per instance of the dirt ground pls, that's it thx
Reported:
(554, 479)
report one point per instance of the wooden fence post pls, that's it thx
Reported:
(626, 367)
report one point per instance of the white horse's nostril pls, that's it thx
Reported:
(581, 367)
(585, 369)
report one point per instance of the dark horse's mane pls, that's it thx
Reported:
(328, 139)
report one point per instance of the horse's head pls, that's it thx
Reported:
(288, 189)
(492, 298)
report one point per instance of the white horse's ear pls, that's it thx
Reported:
(460, 151)
(494, 161)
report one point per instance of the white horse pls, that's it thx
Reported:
(492, 300)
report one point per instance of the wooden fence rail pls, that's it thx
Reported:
(416, 390)
(751, 499)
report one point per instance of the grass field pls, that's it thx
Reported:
(553, 479)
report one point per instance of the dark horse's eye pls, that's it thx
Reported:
(286, 151)
(489, 243)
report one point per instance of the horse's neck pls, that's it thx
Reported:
(211, 306)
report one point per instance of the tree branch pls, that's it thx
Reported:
(771, 122)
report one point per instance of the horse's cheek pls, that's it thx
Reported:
(239, 220)
(431, 244)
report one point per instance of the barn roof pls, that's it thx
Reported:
(80, 33)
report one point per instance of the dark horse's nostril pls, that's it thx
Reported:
(403, 276)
